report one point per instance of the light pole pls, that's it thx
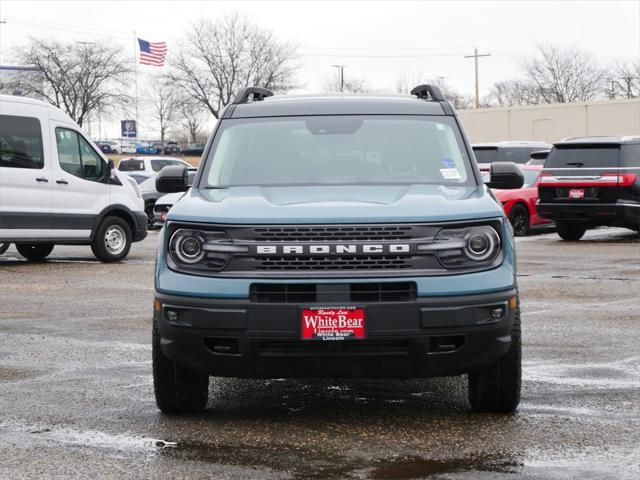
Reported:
(341, 70)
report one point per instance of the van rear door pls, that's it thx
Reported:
(25, 172)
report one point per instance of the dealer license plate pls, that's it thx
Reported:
(333, 323)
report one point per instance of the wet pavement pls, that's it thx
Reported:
(76, 393)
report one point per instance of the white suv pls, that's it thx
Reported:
(56, 186)
(148, 165)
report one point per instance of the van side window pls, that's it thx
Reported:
(20, 142)
(77, 157)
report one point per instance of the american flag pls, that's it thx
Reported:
(152, 53)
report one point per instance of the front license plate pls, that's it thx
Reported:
(333, 323)
(576, 193)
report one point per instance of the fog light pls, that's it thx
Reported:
(172, 315)
(497, 313)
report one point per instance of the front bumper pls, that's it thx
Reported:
(592, 214)
(426, 337)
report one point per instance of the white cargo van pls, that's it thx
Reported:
(56, 186)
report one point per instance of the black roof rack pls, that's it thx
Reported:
(254, 94)
(425, 92)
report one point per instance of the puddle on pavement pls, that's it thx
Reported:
(415, 467)
(8, 374)
(619, 374)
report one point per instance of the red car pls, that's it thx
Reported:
(520, 205)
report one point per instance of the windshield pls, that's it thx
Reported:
(485, 155)
(583, 157)
(335, 150)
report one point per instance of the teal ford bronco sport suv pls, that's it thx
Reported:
(337, 236)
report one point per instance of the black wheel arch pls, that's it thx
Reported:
(116, 210)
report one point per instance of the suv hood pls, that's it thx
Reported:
(335, 204)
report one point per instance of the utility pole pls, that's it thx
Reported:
(341, 69)
(475, 56)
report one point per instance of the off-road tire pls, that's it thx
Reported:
(4, 247)
(34, 252)
(177, 389)
(520, 220)
(496, 387)
(570, 232)
(100, 246)
(148, 209)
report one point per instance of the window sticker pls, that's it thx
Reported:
(448, 163)
(450, 173)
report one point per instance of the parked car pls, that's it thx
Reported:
(150, 195)
(171, 148)
(105, 147)
(159, 146)
(337, 237)
(589, 182)
(114, 146)
(539, 157)
(146, 148)
(163, 205)
(139, 177)
(148, 165)
(127, 147)
(507, 151)
(194, 149)
(57, 188)
(520, 204)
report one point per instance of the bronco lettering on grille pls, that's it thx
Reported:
(333, 249)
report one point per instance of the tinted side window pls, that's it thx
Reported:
(77, 157)
(20, 142)
(516, 155)
(630, 156)
(486, 155)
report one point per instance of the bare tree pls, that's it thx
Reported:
(193, 117)
(624, 80)
(78, 77)
(220, 57)
(165, 101)
(514, 92)
(405, 83)
(564, 75)
(350, 84)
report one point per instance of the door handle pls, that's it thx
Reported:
(62, 182)
(42, 179)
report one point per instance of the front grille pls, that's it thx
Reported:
(382, 262)
(333, 233)
(333, 293)
(346, 348)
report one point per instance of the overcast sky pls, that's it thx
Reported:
(377, 41)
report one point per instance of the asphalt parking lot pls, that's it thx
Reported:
(76, 391)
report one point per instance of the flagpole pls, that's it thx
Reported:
(135, 66)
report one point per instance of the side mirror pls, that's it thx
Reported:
(505, 175)
(172, 179)
(110, 170)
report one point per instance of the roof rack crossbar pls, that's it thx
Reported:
(254, 94)
(425, 92)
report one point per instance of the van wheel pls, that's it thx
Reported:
(177, 389)
(4, 247)
(34, 252)
(519, 218)
(496, 387)
(570, 232)
(112, 240)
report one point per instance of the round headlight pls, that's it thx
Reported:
(189, 249)
(481, 245)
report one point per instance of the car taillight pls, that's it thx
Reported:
(603, 180)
